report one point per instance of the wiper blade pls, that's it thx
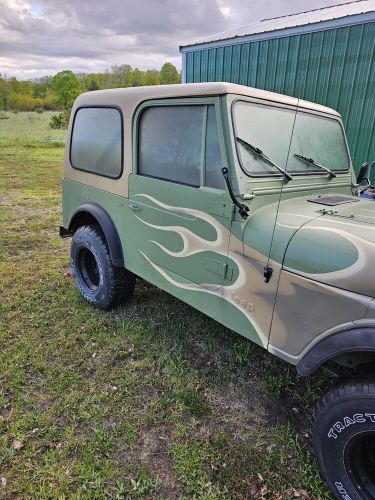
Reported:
(311, 161)
(260, 153)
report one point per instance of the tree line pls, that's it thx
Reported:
(59, 92)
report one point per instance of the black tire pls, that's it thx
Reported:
(99, 282)
(344, 438)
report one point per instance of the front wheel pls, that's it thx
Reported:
(344, 439)
(99, 282)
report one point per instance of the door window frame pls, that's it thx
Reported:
(187, 101)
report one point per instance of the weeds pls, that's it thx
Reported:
(126, 404)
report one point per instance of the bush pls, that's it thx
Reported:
(60, 120)
(3, 116)
(39, 110)
(25, 102)
(56, 121)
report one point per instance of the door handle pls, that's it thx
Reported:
(134, 207)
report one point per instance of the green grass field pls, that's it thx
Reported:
(153, 400)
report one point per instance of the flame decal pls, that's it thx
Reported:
(237, 293)
(365, 249)
(193, 244)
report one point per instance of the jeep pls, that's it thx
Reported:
(244, 204)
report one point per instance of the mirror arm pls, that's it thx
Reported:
(362, 174)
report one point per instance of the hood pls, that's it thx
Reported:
(360, 210)
(260, 229)
(337, 247)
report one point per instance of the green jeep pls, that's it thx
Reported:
(241, 203)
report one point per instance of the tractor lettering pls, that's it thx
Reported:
(339, 427)
(359, 418)
(332, 434)
(348, 421)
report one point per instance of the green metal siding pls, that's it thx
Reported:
(334, 67)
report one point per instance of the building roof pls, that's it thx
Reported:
(130, 98)
(314, 20)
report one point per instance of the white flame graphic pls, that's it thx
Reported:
(237, 293)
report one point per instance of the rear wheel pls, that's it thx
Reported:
(99, 282)
(344, 438)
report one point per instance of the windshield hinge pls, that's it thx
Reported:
(242, 209)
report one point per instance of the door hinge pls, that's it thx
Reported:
(267, 273)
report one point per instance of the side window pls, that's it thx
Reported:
(96, 143)
(170, 143)
(214, 177)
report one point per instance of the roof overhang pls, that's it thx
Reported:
(323, 25)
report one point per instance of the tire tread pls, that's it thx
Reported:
(121, 280)
(360, 387)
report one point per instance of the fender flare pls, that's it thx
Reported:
(353, 340)
(107, 226)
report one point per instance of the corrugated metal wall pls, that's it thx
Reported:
(334, 67)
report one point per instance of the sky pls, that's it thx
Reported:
(42, 37)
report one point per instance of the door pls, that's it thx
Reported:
(181, 213)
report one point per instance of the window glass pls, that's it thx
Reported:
(321, 139)
(96, 144)
(270, 129)
(265, 127)
(170, 143)
(214, 177)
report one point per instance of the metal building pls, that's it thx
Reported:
(325, 55)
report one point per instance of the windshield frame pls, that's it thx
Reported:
(295, 109)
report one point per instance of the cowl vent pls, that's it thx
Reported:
(333, 201)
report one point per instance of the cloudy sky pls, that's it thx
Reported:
(40, 37)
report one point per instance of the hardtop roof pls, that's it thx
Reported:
(133, 96)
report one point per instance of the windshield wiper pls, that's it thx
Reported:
(311, 161)
(260, 153)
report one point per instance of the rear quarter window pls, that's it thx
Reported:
(97, 141)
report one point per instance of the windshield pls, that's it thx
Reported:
(270, 129)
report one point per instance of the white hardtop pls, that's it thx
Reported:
(133, 96)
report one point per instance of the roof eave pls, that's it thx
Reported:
(280, 33)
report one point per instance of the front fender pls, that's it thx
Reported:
(349, 341)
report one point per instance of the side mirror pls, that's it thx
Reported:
(362, 173)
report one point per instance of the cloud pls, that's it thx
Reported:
(45, 36)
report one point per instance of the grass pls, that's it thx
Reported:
(29, 129)
(153, 400)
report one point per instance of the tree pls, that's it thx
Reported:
(39, 90)
(120, 76)
(152, 77)
(92, 85)
(169, 74)
(4, 92)
(136, 78)
(14, 85)
(66, 88)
